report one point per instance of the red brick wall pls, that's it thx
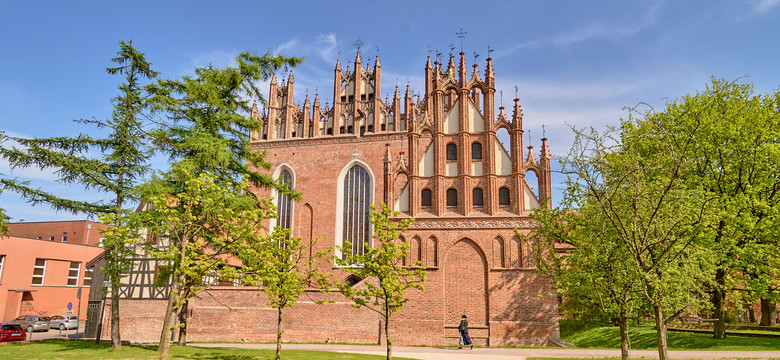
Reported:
(76, 231)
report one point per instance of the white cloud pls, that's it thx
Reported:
(761, 7)
(594, 31)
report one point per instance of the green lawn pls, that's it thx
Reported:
(607, 336)
(84, 350)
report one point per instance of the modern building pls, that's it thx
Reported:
(83, 232)
(446, 158)
(44, 277)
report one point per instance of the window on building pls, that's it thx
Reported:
(64, 238)
(350, 129)
(39, 270)
(2, 261)
(341, 130)
(88, 275)
(330, 131)
(476, 195)
(425, 197)
(452, 152)
(73, 273)
(452, 197)
(355, 223)
(51, 238)
(284, 203)
(503, 196)
(476, 151)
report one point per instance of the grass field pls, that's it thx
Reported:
(84, 350)
(607, 336)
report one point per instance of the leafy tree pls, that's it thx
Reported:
(280, 264)
(202, 224)
(735, 157)
(631, 188)
(386, 277)
(123, 161)
(207, 133)
(592, 276)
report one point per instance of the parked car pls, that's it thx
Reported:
(32, 322)
(64, 322)
(12, 332)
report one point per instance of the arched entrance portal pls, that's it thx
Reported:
(465, 284)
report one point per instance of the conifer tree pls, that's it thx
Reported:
(122, 162)
(207, 134)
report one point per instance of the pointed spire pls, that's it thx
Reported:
(397, 93)
(408, 92)
(290, 79)
(255, 115)
(306, 100)
(451, 65)
(338, 64)
(462, 62)
(489, 69)
(273, 78)
(376, 63)
(517, 115)
(545, 152)
(428, 63)
(316, 99)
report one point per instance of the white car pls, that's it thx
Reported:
(64, 322)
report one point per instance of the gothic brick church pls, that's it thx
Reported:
(436, 158)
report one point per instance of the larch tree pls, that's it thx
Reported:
(117, 170)
(207, 133)
(386, 279)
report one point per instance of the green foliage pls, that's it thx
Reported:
(281, 264)
(387, 279)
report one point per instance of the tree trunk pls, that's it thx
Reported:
(751, 314)
(768, 312)
(116, 339)
(184, 316)
(719, 304)
(660, 326)
(279, 334)
(165, 336)
(625, 345)
(387, 332)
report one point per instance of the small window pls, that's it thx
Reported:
(477, 197)
(330, 131)
(349, 129)
(503, 196)
(425, 197)
(39, 270)
(362, 130)
(363, 97)
(51, 238)
(73, 273)
(2, 261)
(383, 127)
(452, 197)
(452, 152)
(476, 151)
(343, 99)
(64, 238)
(371, 128)
(88, 275)
(351, 98)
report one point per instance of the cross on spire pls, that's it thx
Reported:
(461, 34)
(544, 132)
(430, 48)
(358, 44)
(529, 136)
(501, 93)
(516, 87)
(475, 56)
(490, 50)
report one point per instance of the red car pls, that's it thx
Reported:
(12, 332)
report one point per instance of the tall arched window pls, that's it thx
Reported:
(357, 199)
(503, 196)
(452, 197)
(476, 195)
(284, 203)
(425, 197)
(452, 152)
(476, 151)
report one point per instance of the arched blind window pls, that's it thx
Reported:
(503, 196)
(452, 152)
(355, 228)
(284, 203)
(425, 197)
(452, 197)
(476, 151)
(477, 197)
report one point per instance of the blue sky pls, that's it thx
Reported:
(574, 62)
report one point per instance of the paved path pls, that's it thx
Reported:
(449, 353)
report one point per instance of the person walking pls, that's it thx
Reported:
(463, 329)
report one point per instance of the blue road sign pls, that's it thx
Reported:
(70, 306)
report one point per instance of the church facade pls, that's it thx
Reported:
(436, 158)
